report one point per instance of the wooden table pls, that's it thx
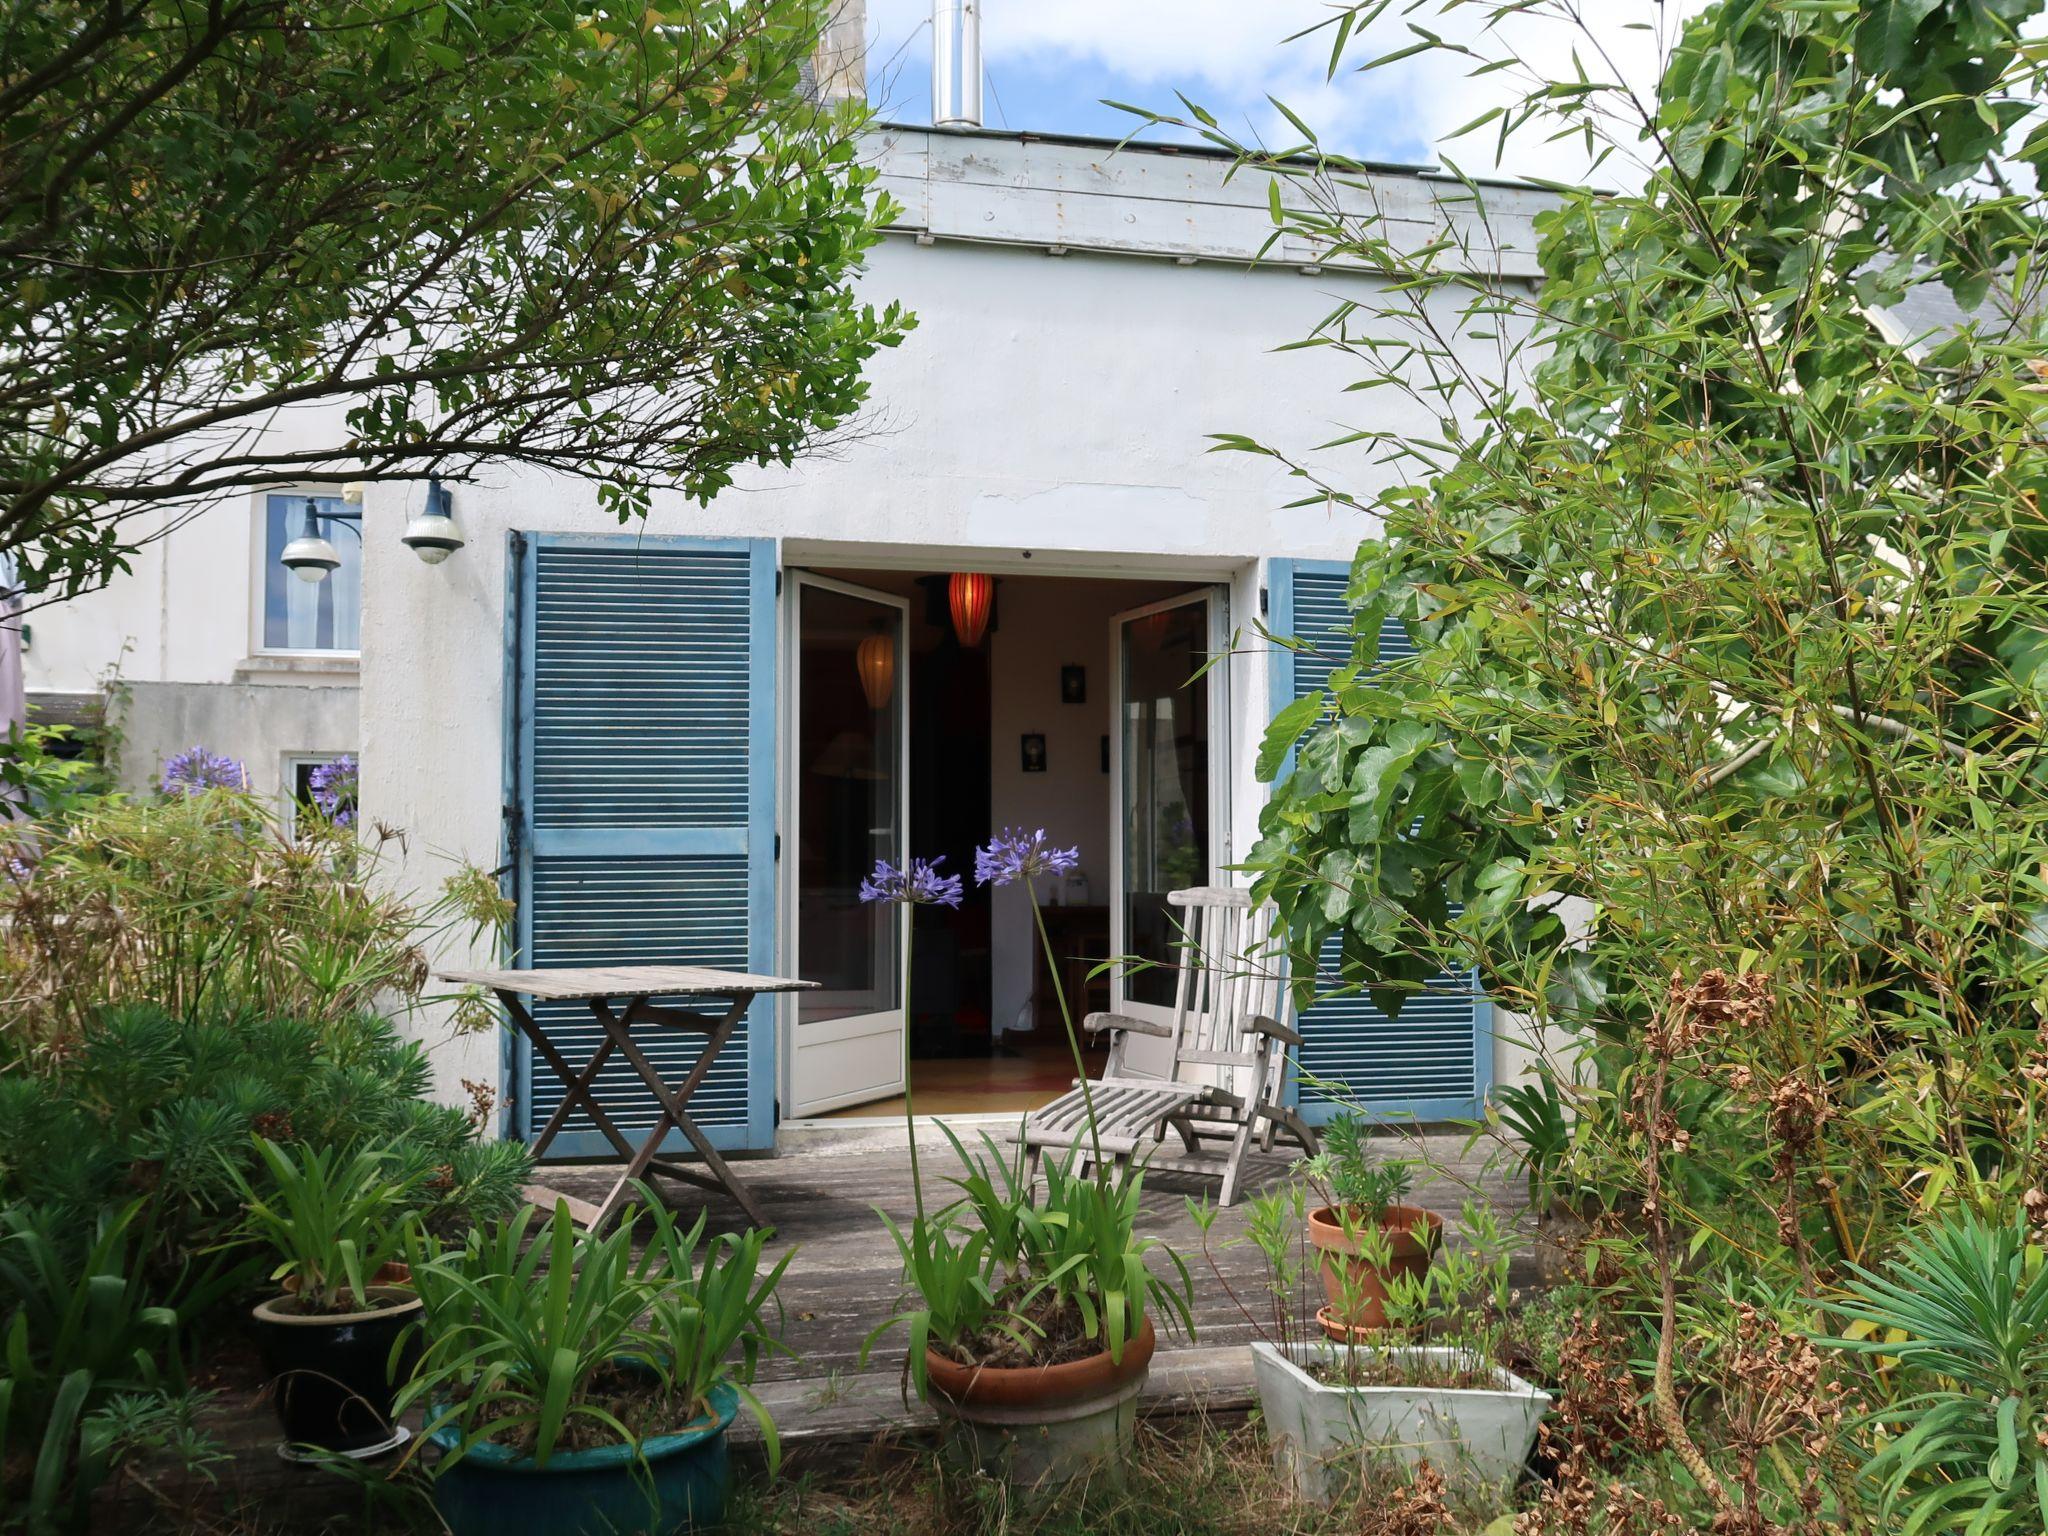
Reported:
(634, 985)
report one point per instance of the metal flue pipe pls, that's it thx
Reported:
(956, 63)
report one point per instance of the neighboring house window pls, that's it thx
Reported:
(320, 786)
(320, 615)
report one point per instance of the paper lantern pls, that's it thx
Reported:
(875, 659)
(973, 596)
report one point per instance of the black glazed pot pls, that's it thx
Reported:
(331, 1374)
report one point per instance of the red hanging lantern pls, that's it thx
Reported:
(973, 597)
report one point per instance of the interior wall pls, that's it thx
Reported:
(1047, 624)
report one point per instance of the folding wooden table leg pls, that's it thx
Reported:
(576, 1085)
(674, 1103)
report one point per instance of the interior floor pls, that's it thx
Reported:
(984, 1085)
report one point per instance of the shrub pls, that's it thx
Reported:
(1716, 743)
(200, 903)
(149, 1102)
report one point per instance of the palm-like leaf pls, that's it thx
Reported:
(1963, 1309)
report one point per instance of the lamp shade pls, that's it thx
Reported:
(875, 659)
(972, 595)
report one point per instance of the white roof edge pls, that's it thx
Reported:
(1079, 195)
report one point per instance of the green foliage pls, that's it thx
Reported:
(999, 1266)
(1535, 1113)
(1095, 1260)
(1962, 1307)
(202, 904)
(93, 1371)
(1350, 1178)
(146, 1100)
(136, 1115)
(1276, 1225)
(1720, 753)
(48, 777)
(955, 1276)
(334, 1219)
(1461, 1299)
(523, 1343)
(613, 241)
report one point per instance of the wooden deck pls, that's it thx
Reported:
(841, 1284)
(844, 1279)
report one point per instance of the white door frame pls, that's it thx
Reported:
(891, 1021)
(1217, 680)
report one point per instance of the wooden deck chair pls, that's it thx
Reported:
(1227, 1079)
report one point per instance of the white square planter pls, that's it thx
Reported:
(1322, 1434)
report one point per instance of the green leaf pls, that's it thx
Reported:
(1284, 730)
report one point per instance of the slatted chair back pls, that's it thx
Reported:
(1230, 974)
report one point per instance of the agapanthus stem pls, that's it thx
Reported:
(909, 1106)
(1059, 991)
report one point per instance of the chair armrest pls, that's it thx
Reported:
(1273, 1027)
(1096, 1023)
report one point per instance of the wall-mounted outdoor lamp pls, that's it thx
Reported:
(312, 556)
(432, 535)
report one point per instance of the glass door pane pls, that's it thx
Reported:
(1163, 784)
(850, 793)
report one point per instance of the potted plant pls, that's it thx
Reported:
(332, 1339)
(1365, 1232)
(573, 1387)
(1431, 1385)
(1035, 1331)
(1031, 1330)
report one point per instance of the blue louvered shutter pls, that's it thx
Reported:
(646, 800)
(1435, 1062)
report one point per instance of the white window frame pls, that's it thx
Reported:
(288, 776)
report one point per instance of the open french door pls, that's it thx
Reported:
(848, 805)
(1169, 793)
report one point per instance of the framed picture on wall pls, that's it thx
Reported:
(1033, 752)
(1073, 685)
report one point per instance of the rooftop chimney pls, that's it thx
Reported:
(839, 69)
(956, 63)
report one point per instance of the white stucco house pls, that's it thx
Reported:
(994, 604)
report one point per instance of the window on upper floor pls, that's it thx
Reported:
(322, 615)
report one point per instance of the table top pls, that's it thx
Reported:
(572, 982)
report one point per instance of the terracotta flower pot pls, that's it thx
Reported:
(1413, 1235)
(1042, 1424)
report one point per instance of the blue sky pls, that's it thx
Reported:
(1051, 62)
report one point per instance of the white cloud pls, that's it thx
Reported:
(1230, 54)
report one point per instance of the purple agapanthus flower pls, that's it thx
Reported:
(191, 771)
(921, 884)
(1015, 854)
(333, 787)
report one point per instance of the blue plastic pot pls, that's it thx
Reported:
(675, 1483)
